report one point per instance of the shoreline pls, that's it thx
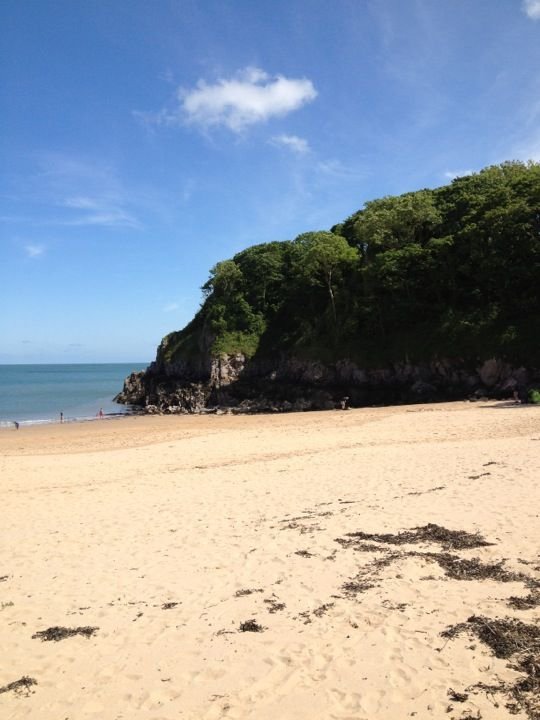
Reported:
(10, 424)
(7, 424)
(140, 429)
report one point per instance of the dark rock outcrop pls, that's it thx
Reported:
(236, 384)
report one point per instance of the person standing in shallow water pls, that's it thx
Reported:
(100, 413)
(61, 417)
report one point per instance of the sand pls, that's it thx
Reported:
(171, 534)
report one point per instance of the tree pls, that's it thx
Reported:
(393, 222)
(264, 266)
(323, 256)
(225, 279)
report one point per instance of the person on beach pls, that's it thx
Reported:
(100, 413)
(61, 417)
(16, 424)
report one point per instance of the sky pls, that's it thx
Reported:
(143, 142)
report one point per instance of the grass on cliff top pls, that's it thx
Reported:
(193, 342)
(230, 343)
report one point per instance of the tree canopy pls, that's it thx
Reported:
(449, 272)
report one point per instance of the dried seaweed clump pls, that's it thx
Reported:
(251, 626)
(61, 633)
(525, 603)
(274, 605)
(474, 569)
(19, 686)
(506, 637)
(356, 586)
(320, 611)
(457, 696)
(510, 638)
(365, 579)
(431, 533)
(247, 591)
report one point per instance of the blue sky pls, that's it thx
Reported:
(143, 141)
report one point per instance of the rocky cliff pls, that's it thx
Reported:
(430, 295)
(234, 383)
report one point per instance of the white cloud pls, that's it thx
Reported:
(293, 142)
(453, 174)
(34, 251)
(249, 97)
(532, 8)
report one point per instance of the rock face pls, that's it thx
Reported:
(234, 383)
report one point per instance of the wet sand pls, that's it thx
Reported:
(213, 556)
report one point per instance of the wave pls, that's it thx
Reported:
(56, 421)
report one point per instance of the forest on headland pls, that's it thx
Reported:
(451, 272)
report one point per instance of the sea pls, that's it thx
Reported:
(36, 394)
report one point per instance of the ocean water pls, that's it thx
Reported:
(31, 394)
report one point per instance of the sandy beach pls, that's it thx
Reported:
(293, 566)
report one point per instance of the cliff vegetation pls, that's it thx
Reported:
(450, 272)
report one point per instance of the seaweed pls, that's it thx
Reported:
(323, 609)
(464, 569)
(368, 547)
(512, 639)
(505, 637)
(356, 586)
(457, 696)
(364, 580)
(19, 686)
(293, 525)
(247, 591)
(251, 626)
(448, 539)
(60, 633)
(524, 603)
(274, 605)
(425, 492)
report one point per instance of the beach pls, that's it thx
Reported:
(307, 565)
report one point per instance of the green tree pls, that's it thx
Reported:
(225, 280)
(323, 256)
(394, 222)
(264, 266)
